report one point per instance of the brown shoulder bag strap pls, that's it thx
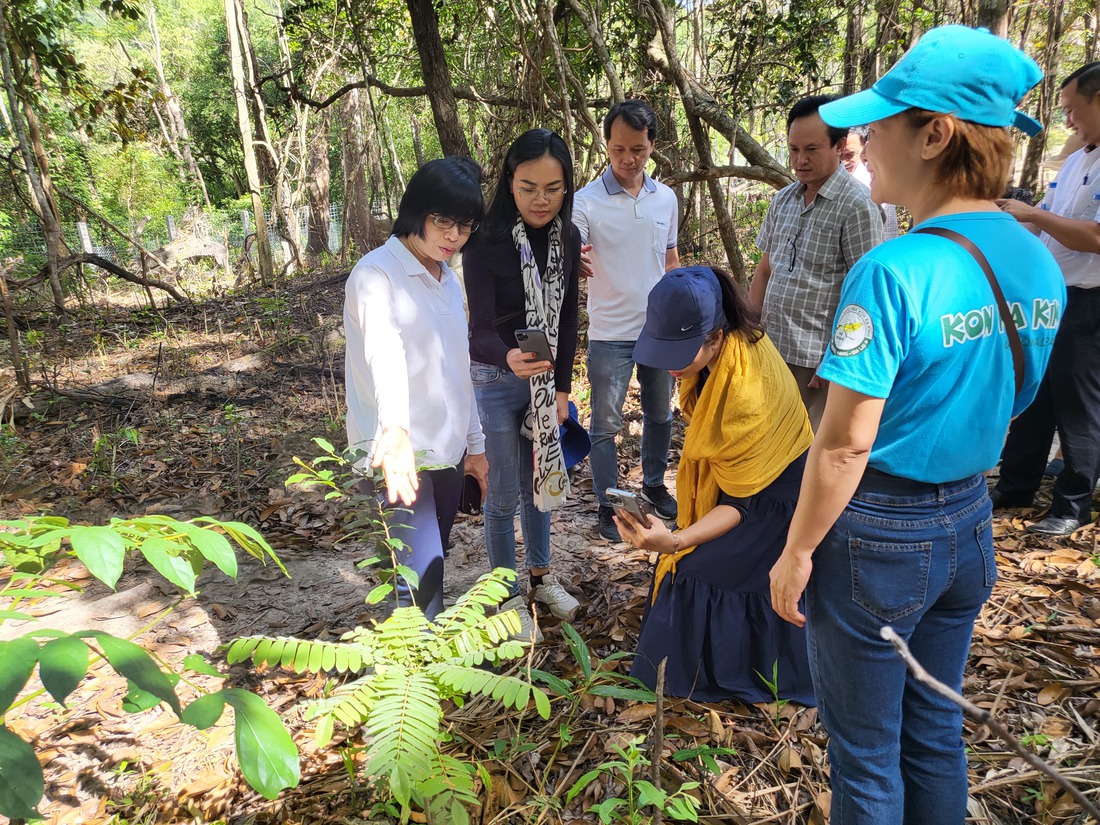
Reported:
(1002, 305)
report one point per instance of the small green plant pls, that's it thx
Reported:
(638, 793)
(106, 446)
(706, 756)
(1035, 740)
(407, 666)
(773, 686)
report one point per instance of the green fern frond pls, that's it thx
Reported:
(485, 637)
(508, 690)
(301, 655)
(451, 782)
(504, 652)
(485, 594)
(404, 636)
(403, 725)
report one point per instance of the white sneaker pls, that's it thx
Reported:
(528, 630)
(557, 598)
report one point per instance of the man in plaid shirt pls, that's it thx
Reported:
(814, 232)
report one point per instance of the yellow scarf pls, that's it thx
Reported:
(744, 428)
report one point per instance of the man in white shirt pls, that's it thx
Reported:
(1069, 397)
(851, 158)
(631, 222)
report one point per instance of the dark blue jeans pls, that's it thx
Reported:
(502, 402)
(610, 365)
(917, 557)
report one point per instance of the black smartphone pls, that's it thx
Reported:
(535, 340)
(624, 500)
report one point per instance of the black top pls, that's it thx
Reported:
(494, 293)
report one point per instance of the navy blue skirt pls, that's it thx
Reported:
(714, 620)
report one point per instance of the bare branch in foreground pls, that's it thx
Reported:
(984, 717)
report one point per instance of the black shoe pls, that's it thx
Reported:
(608, 528)
(663, 504)
(1054, 526)
(1001, 501)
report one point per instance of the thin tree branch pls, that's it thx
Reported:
(984, 717)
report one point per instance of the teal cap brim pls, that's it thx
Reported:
(869, 106)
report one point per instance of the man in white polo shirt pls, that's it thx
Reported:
(1068, 221)
(631, 222)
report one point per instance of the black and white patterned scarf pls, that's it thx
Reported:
(543, 297)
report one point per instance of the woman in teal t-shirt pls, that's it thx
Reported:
(893, 524)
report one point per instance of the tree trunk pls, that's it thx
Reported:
(240, 93)
(599, 48)
(1036, 146)
(357, 214)
(37, 176)
(177, 127)
(317, 183)
(418, 143)
(721, 213)
(437, 77)
(993, 15)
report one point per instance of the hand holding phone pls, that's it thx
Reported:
(535, 340)
(623, 501)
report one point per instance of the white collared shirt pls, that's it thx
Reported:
(630, 237)
(1076, 195)
(408, 359)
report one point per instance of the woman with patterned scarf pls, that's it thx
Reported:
(523, 275)
(737, 485)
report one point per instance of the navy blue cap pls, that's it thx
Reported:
(683, 307)
(575, 442)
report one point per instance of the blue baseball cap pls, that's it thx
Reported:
(683, 307)
(969, 73)
(575, 442)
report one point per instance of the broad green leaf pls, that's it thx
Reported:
(135, 664)
(409, 575)
(205, 711)
(619, 692)
(579, 649)
(17, 660)
(267, 754)
(195, 662)
(15, 614)
(21, 780)
(62, 664)
(177, 569)
(137, 700)
(102, 551)
(214, 546)
(378, 593)
(322, 735)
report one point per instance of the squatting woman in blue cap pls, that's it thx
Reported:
(893, 525)
(744, 450)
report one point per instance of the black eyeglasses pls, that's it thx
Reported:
(446, 224)
(790, 260)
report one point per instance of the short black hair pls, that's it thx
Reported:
(531, 145)
(637, 114)
(808, 106)
(1088, 80)
(741, 316)
(449, 186)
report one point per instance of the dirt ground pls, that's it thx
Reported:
(200, 410)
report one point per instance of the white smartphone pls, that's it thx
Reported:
(622, 500)
(535, 340)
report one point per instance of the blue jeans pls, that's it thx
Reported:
(610, 365)
(917, 557)
(502, 403)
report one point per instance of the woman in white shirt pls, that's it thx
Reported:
(410, 400)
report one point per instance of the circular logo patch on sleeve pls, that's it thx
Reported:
(854, 331)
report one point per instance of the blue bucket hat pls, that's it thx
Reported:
(575, 443)
(969, 73)
(683, 307)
